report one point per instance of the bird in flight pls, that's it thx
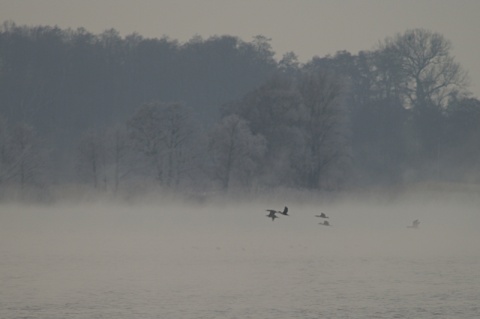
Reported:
(322, 215)
(325, 223)
(271, 214)
(285, 211)
(415, 224)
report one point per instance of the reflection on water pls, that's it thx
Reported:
(92, 263)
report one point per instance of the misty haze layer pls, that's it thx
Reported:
(229, 260)
(122, 116)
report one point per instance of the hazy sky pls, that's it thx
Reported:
(307, 27)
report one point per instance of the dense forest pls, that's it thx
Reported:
(106, 114)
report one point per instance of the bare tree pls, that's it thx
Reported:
(323, 127)
(120, 157)
(162, 133)
(23, 161)
(4, 157)
(289, 63)
(235, 150)
(91, 158)
(273, 111)
(303, 120)
(430, 73)
(178, 131)
(429, 78)
(145, 130)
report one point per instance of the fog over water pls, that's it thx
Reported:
(228, 260)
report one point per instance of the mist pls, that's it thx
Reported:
(136, 176)
(150, 257)
(448, 223)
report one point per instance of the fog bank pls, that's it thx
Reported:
(359, 226)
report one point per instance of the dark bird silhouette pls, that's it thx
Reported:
(271, 214)
(322, 215)
(285, 211)
(415, 224)
(325, 223)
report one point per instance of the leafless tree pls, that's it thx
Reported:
(235, 150)
(323, 127)
(162, 133)
(178, 131)
(4, 156)
(120, 157)
(91, 158)
(273, 111)
(145, 130)
(429, 78)
(430, 73)
(22, 159)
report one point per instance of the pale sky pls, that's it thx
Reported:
(307, 27)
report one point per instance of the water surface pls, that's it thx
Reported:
(172, 261)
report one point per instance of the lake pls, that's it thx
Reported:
(230, 261)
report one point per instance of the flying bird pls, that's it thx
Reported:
(325, 223)
(271, 214)
(415, 224)
(322, 215)
(285, 211)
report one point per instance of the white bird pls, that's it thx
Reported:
(415, 224)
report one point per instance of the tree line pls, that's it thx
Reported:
(127, 114)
